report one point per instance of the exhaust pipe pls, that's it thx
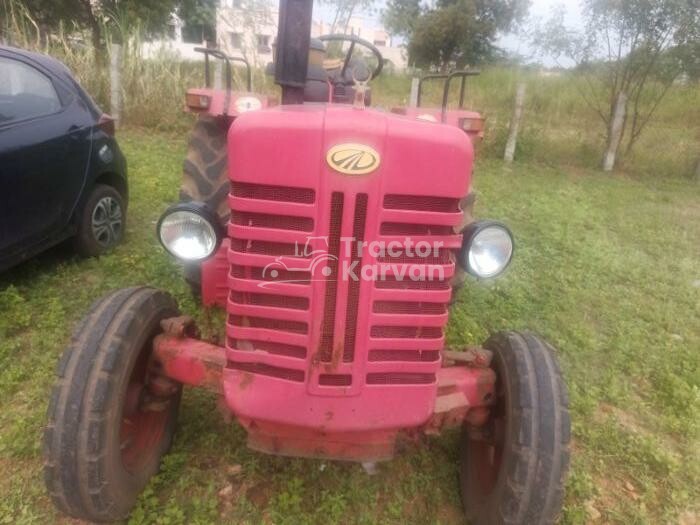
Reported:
(292, 53)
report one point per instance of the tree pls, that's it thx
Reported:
(200, 15)
(452, 32)
(98, 16)
(400, 16)
(630, 51)
(344, 11)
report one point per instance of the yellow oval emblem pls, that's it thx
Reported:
(353, 159)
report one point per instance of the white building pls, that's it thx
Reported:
(249, 28)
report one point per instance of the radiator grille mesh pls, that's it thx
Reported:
(403, 340)
(329, 305)
(358, 234)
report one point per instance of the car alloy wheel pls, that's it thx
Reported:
(107, 221)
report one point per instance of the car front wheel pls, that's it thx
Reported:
(101, 222)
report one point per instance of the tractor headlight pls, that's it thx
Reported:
(487, 248)
(189, 231)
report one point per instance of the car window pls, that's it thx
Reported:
(25, 92)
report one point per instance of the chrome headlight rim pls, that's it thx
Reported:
(469, 234)
(204, 212)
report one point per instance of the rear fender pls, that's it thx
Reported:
(221, 103)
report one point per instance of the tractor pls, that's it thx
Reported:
(332, 234)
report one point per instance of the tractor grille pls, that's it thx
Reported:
(297, 321)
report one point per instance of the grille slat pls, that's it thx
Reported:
(277, 222)
(249, 321)
(408, 308)
(392, 283)
(438, 256)
(257, 273)
(274, 300)
(400, 378)
(273, 249)
(421, 203)
(404, 228)
(404, 355)
(267, 192)
(401, 332)
(269, 370)
(328, 323)
(268, 346)
(358, 233)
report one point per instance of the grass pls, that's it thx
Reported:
(606, 268)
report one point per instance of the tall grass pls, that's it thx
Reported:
(558, 127)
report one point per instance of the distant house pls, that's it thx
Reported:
(249, 28)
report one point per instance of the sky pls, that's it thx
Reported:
(515, 43)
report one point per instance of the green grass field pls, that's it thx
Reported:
(606, 268)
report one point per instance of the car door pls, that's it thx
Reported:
(44, 152)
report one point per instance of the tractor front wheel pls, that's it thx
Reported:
(513, 468)
(111, 416)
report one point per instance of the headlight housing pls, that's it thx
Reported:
(189, 231)
(487, 248)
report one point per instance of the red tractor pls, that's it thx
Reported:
(333, 243)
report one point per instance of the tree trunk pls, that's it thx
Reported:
(515, 123)
(615, 133)
(97, 44)
(115, 88)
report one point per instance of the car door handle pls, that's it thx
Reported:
(73, 132)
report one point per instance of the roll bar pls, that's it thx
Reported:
(218, 54)
(463, 74)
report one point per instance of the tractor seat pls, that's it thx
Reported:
(322, 72)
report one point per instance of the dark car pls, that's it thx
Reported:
(62, 174)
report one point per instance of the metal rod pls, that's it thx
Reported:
(217, 53)
(446, 91)
(249, 81)
(420, 85)
(349, 58)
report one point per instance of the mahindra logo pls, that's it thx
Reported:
(353, 159)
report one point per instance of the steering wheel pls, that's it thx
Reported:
(355, 40)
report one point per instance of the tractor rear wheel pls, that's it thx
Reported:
(513, 469)
(108, 424)
(205, 177)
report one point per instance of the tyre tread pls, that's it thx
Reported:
(75, 436)
(537, 458)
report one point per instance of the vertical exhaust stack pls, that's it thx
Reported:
(292, 53)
